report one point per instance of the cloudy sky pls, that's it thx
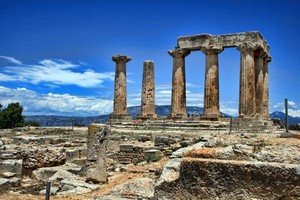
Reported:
(55, 56)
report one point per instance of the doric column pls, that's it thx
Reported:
(211, 89)
(265, 107)
(247, 106)
(178, 104)
(120, 95)
(148, 91)
(259, 81)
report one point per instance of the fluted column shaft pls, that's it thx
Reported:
(211, 90)
(178, 104)
(120, 93)
(148, 91)
(247, 104)
(259, 81)
(265, 99)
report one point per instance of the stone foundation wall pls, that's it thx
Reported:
(197, 178)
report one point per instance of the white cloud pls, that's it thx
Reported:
(12, 60)
(55, 104)
(281, 105)
(294, 113)
(54, 72)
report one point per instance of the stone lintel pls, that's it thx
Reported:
(198, 42)
(121, 58)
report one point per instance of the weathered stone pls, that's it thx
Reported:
(14, 166)
(211, 91)
(152, 155)
(178, 102)
(247, 106)
(38, 158)
(120, 94)
(235, 180)
(8, 174)
(130, 154)
(148, 92)
(142, 188)
(4, 185)
(198, 42)
(265, 98)
(96, 148)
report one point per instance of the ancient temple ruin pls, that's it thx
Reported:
(254, 87)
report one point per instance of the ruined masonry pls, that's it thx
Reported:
(120, 95)
(148, 92)
(254, 78)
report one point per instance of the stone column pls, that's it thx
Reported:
(178, 104)
(247, 106)
(120, 95)
(211, 90)
(259, 81)
(148, 92)
(265, 99)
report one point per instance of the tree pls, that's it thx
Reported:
(11, 116)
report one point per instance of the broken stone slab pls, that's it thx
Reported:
(97, 141)
(196, 179)
(139, 188)
(14, 166)
(38, 158)
(8, 174)
(180, 152)
(152, 155)
(44, 173)
(4, 185)
(53, 191)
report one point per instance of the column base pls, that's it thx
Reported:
(120, 118)
(177, 116)
(146, 117)
(212, 117)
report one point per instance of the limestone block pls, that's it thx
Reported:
(96, 148)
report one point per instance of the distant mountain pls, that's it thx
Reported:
(134, 111)
(163, 110)
(281, 116)
(51, 120)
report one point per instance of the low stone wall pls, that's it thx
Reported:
(198, 178)
(130, 154)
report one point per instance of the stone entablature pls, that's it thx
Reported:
(199, 42)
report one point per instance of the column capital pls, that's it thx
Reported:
(246, 47)
(267, 59)
(121, 58)
(178, 53)
(212, 50)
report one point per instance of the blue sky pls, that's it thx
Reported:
(55, 56)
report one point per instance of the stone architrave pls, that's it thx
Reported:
(265, 99)
(259, 81)
(247, 105)
(178, 102)
(97, 142)
(211, 89)
(148, 92)
(120, 94)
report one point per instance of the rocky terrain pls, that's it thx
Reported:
(150, 164)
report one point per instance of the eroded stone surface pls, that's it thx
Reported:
(120, 93)
(96, 148)
(148, 92)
